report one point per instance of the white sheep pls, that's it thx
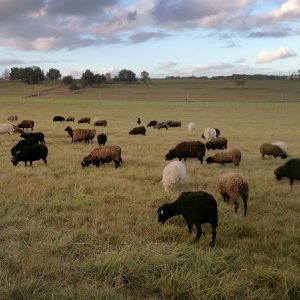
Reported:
(282, 145)
(6, 128)
(174, 172)
(191, 127)
(209, 133)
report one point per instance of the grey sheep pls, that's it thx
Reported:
(232, 186)
(226, 156)
(196, 208)
(272, 150)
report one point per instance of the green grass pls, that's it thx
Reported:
(68, 233)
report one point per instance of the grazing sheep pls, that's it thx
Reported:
(174, 123)
(25, 124)
(103, 154)
(282, 145)
(23, 143)
(162, 125)
(291, 170)
(152, 123)
(138, 130)
(6, 128)
(232, 186)
(58, 119)
(196, 208)
(80, 135)
(191, 127)
(210, 133)
(84, 120)
(192, 149)
(100, 123)
(17, 130)
(139, 121)
(101, 138)
(274, 150)
(34, 135)
(70, 119)
(174, 172)
(31, 153)
(226, 156)
(218, 143)
(12, 118)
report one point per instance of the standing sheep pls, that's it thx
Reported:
(70, 119)
(226, 156)
(58, 119)
(25, 124)
(34, 135)
(210, 133)
(161, 125)
(12, 118)
(80, 135)
(100, 123)
(138, 130)
(232, 186)
(191, 128)
(174, 172)
(6, 128)
(272, 150)
(291, 170)
(196, 208)
(152, 123)
(282, 145)
(218, 143)
(192, 149)
(101, 139)
(84, 120)
(23, 143)
(31, 153)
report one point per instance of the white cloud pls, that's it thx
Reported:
(288, 9)
(206, 68)
(45, 44)
(167, 65)
(269, 56)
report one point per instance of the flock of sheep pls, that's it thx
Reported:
(196, 207)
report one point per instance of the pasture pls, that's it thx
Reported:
(93, 234)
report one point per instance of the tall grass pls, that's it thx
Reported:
(89, 234)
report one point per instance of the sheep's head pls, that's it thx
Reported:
(14, 161)
(208, 145)
(210, 160)
(278, 173)
(86, 162)
(167, 185)
(164, 213)
(284, 155)
(170, 155)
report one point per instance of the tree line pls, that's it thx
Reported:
(35, 75)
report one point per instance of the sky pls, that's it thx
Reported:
(162, 37)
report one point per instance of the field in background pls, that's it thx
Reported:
(89, 234)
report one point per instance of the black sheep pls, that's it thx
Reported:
(196, 208)
(34, 135)
(291, 170)
(58, 119)
(193, 149)
(31, 153)
(138, 130)
(218, 143)
(21, 144)
(101, 138)
(152, 123)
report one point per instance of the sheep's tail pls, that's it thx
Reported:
(244, 192)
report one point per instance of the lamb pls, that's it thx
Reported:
(191, 127)
(58, 119)
(196, 208)
(84, 120)
(101, 138)
(226, 156)
(282, 145)
(103, 154)
(31, 153)
(17, 130)
(23, 143)
(138, 130)
(192, 149)
(162, 125)
(233, 185)
(210, 133)
(100, 123)
(35, 135)
(12, 118)
(274, 150)
(291, 170)
(79, 135)
(6, 128)
(26, 124)
(152, 123)
(70, 119)
(217, 143)
(174, 172)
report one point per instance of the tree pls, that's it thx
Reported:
(87, 78)
(99, 78)
(108, 76)
(127, 76)
(74, 86)
(67, 80)
(6, 74)
(145, 76)
(53, 74)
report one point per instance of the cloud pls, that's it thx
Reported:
(231, 44)
(143, 36)
(240, 61)
(206, 68)
(288, 9)
(167, 65)
(269, 34)
(269, 56)
(14, 62)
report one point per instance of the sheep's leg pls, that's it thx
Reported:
(201, 159)
(214, 234)
(121, 160)
(45, 161)
(189, 224)
(245, 206)
(31, 164)
(291, 181)
(236, 205)
(199, 232)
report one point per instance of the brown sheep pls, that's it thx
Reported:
(12, 118)
(226, 156)
(232, 186)
(70, 119)
(103, 154)
(100, 123)
(85, 120)
(26, 124)
(79, 135)
(272, 150)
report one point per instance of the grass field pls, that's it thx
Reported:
(68, 233)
